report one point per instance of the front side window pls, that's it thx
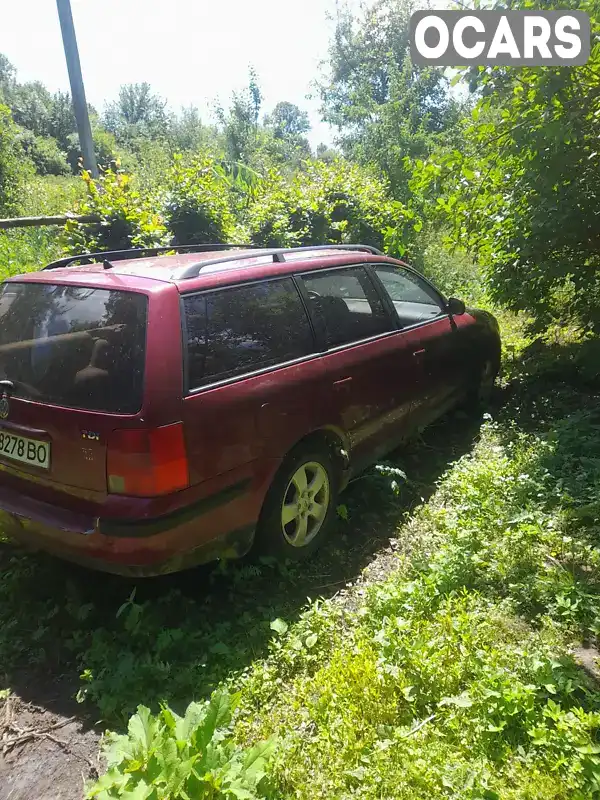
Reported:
(244, 328)
(346, 305)
(413, 299)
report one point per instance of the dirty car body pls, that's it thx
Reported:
(149, 401)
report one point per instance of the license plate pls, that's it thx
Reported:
(28, 451)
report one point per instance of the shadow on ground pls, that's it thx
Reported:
(173, 638)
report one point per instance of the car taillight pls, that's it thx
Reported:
(147, 462)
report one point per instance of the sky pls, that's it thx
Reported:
(192, 52)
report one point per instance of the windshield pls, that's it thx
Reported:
(73, 346)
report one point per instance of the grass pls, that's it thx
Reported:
(455, 678)
(27, 249)
(447, 671)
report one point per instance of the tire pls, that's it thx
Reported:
(480, 394)
(309, 517)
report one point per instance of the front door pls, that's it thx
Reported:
(429, 334)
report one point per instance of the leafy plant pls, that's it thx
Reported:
(326, 203)
(168, 757)
(44, 153)
(517, 184)
(127, 219)
(197, 205)
(14, 167)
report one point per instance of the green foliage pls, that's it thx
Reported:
(451, 269)
(383, 107)
(326, 203)
(108, 153)
(240, 122)
(45, 154)
(167, 757)
(14, 167)
(197, 204)
(128, 219)
(138, 113)
(454, 678)
(519, 187)
(287, 120)
(27, 249)
(31, 105)
(51, 194)
(34, 108)
(188, 133)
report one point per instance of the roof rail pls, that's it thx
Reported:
(142, 252)
(277, 253)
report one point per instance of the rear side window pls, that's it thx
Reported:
(346, 305)
(244, 328)
(413, 299)
(74, 346)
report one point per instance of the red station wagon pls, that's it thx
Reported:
(160, 411)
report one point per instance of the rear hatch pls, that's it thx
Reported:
(71, 365)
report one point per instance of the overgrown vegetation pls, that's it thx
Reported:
(190, 756)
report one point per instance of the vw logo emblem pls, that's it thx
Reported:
(4, 407)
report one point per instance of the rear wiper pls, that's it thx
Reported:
(7, 387)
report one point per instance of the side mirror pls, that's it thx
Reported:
(455, 307)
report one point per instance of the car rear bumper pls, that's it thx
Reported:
(219, 526)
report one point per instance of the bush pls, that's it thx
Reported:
(127, 219)
(49, 195)
(453, 271)
(327, 203)
(197, 206)
(14, 167)
(27, 249)
(168, 756)
(45, 154)
(108, 154)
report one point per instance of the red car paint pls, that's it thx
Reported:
(234, 435)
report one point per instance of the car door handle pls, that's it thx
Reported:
(342, 382)
(419, 353)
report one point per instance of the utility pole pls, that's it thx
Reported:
(77, 90)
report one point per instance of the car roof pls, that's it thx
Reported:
(241, 265)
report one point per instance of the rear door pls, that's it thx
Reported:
(71, 365)
(252, 388)
(361, 353)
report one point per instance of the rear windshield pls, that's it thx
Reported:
(73, 346)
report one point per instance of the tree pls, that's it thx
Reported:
(326, 153)
(7, 77)
(240, 123)
(383, 106)
(61, 119)
(197, 204)
(187, 130)
(31, 105)
(44, 153)
(15, 168)
(43, 115)
(287, 120)
(137, 113)
(522, 191)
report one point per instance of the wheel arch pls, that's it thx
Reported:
(337, 443)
